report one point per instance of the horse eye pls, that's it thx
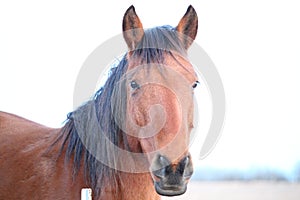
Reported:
(195, 84)
(134, 85)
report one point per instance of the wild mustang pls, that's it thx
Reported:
(130, 141)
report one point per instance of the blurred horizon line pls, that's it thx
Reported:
(261, 173)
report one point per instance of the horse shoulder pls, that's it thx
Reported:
(24, 162)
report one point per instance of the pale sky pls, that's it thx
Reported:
(255, 46)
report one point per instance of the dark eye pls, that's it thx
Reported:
(195, 84)
(134, 85)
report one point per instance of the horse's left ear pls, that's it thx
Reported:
(188, 27)
(133, 31)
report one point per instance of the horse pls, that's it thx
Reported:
(129, 141)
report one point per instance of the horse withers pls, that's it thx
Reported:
(130, 141)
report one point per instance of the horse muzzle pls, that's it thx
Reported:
(171, 179)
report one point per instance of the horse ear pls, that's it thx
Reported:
(133, 31)
(188, 27)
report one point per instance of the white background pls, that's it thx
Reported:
(254, 44)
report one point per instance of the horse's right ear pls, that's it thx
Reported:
(133, 31)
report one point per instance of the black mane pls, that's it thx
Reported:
(155, 43)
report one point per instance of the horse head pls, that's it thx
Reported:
(159, 85)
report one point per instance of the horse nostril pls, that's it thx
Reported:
(160, 173)
(186, 160)
(185, 167)
(160, 168)
(163, 161)
(188, 169)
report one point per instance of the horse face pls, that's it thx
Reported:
(160, 105)
(160, 117)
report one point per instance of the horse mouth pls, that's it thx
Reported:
(173, 190)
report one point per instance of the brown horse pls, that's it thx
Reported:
(128, 142)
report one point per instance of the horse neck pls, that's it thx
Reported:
(132, 186)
